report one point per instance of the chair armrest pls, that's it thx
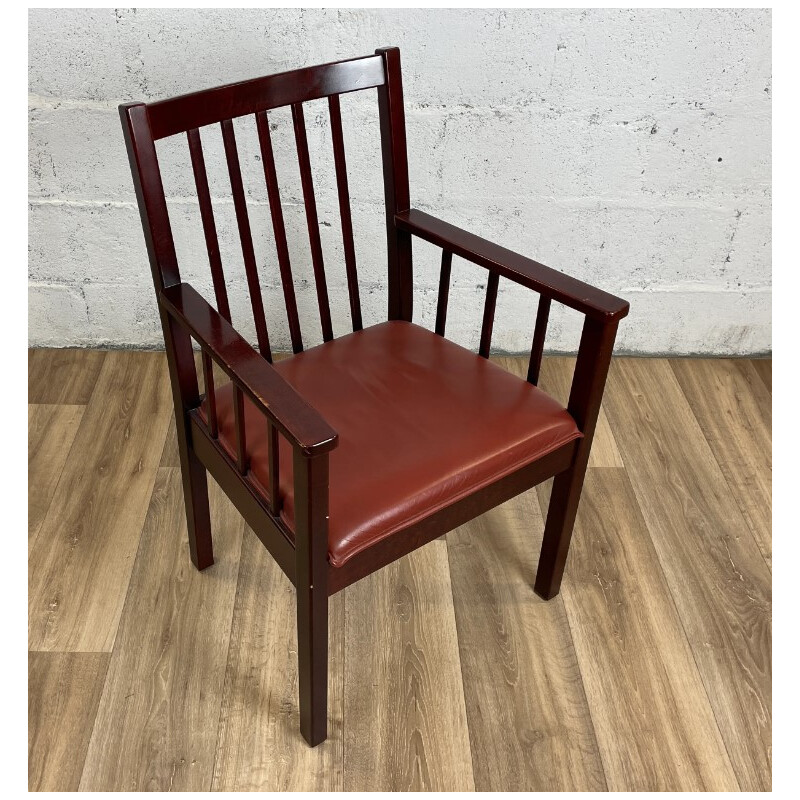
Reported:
(548, 282)
(302, 424)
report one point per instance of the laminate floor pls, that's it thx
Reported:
(650, 671)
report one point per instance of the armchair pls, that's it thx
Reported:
(351, 454)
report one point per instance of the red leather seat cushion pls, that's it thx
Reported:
(422, 422)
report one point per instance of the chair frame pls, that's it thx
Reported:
(186, 316)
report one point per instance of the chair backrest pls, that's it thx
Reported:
(144, 124)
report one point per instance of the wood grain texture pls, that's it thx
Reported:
(81, 560)
(156, 727)
(169, 455)
(63, 376)
(51, 430)
(555, 378)
(716, 573)
(260, 747)
(599, 687)
(530, 726)
(654, 724)
(734, 409)
(763, 366)
(63, 693)
(405, 720)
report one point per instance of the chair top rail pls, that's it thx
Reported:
(549, 282)
(178, 114)
(302, 424)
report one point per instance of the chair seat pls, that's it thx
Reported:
(422, 423)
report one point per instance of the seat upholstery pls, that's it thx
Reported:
(422, 423)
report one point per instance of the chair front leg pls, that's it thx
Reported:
(311, 546)
(586, 394)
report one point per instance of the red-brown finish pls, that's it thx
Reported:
(279, 229)
(549, 282)
(178, 114)
(311, 218)
(311, 545)
(273, 459)
(287, 417)
(209, 226)
(395, 185)
(452, 422)
(245, 237)
(210, 394)
(444, 292)
(344, 210)
(539, 334)
(488, 314)
(279, 402)
(241, 431)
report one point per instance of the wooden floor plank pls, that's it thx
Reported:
(81, 560)
(654, 723)
(763, 366)
(68, 376)
(530, 726)
(405, 721)
(734, 409)
(169, 455)
(555, 378)
(51, 430)
(260, 747)
(156, 727)
(716, 573)
(63, 693)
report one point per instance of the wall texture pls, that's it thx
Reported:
(630, 148)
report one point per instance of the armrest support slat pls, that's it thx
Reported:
(549, 282)
(265, 387)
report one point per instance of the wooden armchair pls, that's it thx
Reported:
(351, 454)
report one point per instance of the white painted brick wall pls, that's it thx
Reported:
(629, 148)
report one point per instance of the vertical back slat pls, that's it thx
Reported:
(539, 333)
(241, 441)
(245, 236)
(211, 397)
(444, 291)
(209, 226)
(335, 110)
(311, 217)
(278, 227)
(488, 314)
(274, 469)
(395, 184)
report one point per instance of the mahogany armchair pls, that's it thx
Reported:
(350, 454)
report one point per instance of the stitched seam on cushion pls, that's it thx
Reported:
(451, 501)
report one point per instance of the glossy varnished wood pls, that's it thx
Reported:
(63, 694)
(185, 315)
(162, 694)
(82, 558)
